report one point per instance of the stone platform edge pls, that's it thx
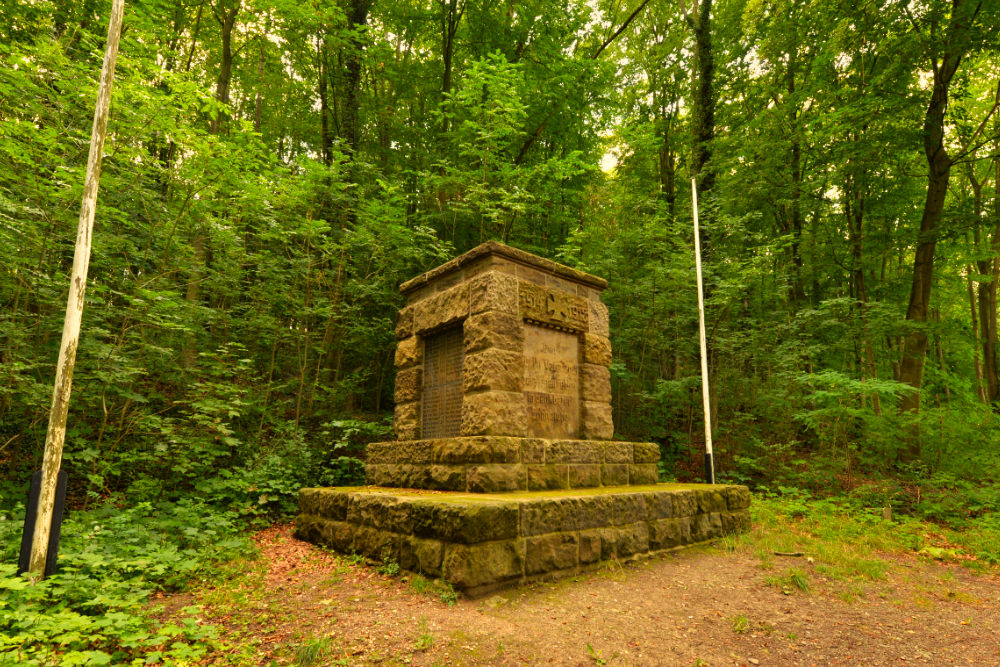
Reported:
(494, 464)
(480, 542)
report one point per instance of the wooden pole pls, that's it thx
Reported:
(56, 435)
(709, 462)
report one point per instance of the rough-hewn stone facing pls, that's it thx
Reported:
(496, 478)
(599, 323)
(441, 309)
(493, 369)
(494, 413)
(464, 523)
(551, 553)
(614, 474)
(628, 508)
(493, 329)
(478, 543)
(408, 385)
(645, 452)
(573, 451)
(477, 450)
(421, 555)
(547, 476)
(595, 421)
(584, 475)
(409, 352)
(493, 291)
(472, 566)
(596, 350)
(550, 515)
(406, 420)
(595, 383)
(537, 464)
(618, 452)
(643, 473)
(737, 498)
(404, 323)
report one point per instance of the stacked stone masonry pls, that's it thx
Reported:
(480, 542)
(511, 308)
(504, 469)
(491, 464)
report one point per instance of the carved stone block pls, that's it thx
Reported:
(596, 350)
(409, 352)
(408, 385)
(493, 413)
(493, 291)
(596, 421)
(493, 369)
(494, 329)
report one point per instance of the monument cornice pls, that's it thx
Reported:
(507, 252)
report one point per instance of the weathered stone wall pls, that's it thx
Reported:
(481, 542)
(490, 464)
(497, 295)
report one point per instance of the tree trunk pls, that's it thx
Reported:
(911, 365)
(703, 103)
(56, 435)
(358, 17)
(977, 362)
(226, 16)
(450, 18)
(325, 135)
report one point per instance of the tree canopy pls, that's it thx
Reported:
(275, 169)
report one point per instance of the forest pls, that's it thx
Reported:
(275, 169)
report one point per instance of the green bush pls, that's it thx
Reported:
(95, 610)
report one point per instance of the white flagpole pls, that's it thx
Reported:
(709, 462)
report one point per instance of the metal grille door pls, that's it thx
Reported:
(442, 395)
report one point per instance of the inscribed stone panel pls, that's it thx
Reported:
(552, 307)
(442, 394)
(551, 382)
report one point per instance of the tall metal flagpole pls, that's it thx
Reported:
(709, 462)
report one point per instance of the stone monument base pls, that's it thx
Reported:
(495, 464)
(480, 542)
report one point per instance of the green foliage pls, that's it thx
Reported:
(96, 608)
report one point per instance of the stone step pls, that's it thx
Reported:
(492, 464)
(480, 542)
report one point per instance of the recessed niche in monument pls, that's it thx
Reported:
(551, 382)
(442, 404)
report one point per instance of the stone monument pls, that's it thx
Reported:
(504, 469)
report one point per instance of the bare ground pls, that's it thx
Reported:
(695, 607)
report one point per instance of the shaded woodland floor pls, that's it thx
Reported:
(720, 605)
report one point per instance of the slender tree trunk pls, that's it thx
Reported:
(854, 207)
(703, 102)
(977, 362)
(259, 101)
(911, 365)
(325, 135)
(56, 435)
(225, 13)
(358, 18)
(451, 15)
(668, 164)
(986, 295)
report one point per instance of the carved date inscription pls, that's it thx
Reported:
(552, 307)
(551, 382)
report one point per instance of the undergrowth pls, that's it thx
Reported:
(844, 539)
(96, 609)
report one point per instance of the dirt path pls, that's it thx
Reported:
(696, 607)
